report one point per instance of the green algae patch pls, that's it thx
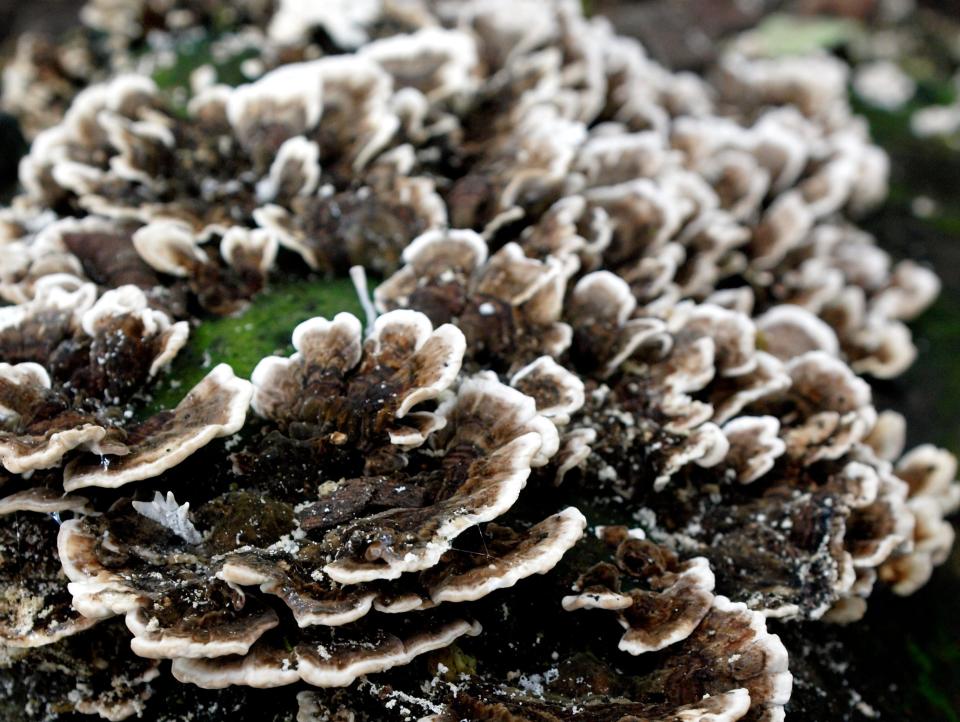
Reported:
(193, 53)
(927, 685)
(451, 664)
(264, 328)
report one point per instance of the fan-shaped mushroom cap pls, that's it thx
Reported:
(432, 258)
(212, 636)
(436, 62)
(40, 425)
(162, 625)
(931, 493)
(485, 417)
(600, 308)
(888, 436)
(58, 152)
(677, 598)
(406, 363)
(678, 614)
(294, 172)
(536, 551)
(215, 407)
(168, 247)
(31, 258)
(557, 391)
(831, 522)
(125, 312)
(103, 249)
(613, 156)
(42, 500)
(644, 214)
(312, 599)
(789, 331)
(730, 396)
(283, 104)
(835, 403)
(880, 521)
(325, 658)
(931, 472)
(733, 335)
(102, 349)
(911, 289)
(357, 118)
(883, 349)
(574, 451)
(932, 540)
(508, 305)
(32, 330)
(368, 227)
(755, 445)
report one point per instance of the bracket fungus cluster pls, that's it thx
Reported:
(598, 281)
(372, 461)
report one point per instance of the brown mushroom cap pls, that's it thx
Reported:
(536, 551)
(507, 305)
(730, 668)
(715, 645)
(324, 658)
(557, 391)
(677, 597)
(40, 424)
(501, 436)
(406, 363)
(217, 406)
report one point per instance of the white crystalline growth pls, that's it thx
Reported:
(167, 513)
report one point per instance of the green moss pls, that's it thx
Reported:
(785, 34)
(927, 685)
(241, 341)
(451, 663)
(194, 53)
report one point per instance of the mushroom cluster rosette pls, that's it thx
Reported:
(599, 284)
(373, 458)
(164, 260)
(719, 653)
(567, 139)
(77, 363)
(772, 463)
